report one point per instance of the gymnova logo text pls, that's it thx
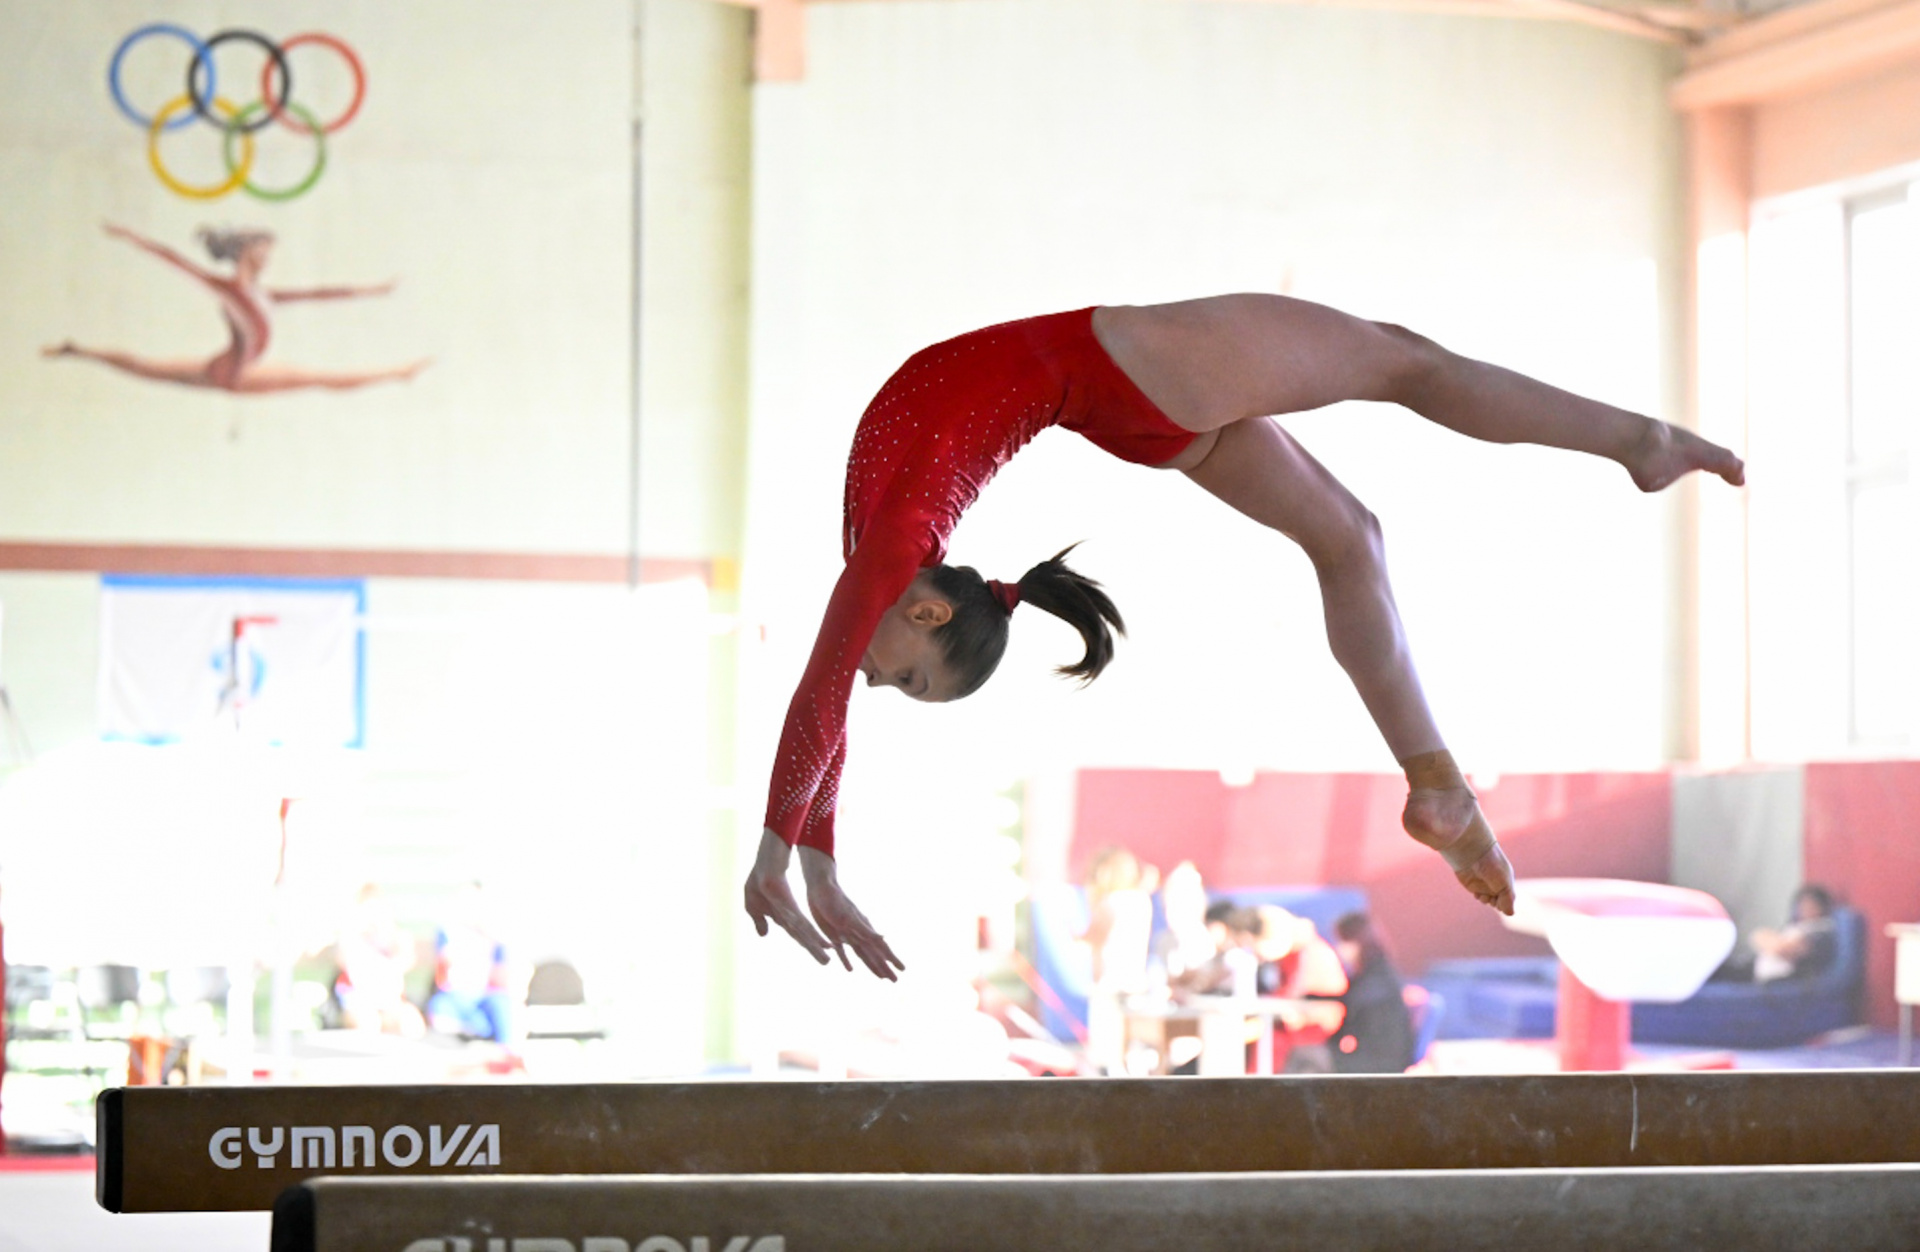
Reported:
(605, 1243)
(351, 1147)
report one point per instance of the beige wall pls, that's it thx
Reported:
(507, 225)
(518, 732)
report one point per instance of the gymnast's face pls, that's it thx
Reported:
(903, 653)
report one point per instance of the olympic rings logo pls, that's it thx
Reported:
(237, 124)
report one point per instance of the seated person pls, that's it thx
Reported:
(1233, 968)
(476, 993)
(375, 955)
(1188, 941)
(1806, 946)
(1377, 1035)
(1297, 964)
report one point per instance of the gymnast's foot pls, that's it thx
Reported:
(1443, 814)
(1665, 452)
(59, 349)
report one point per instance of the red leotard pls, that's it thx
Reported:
(938, 430)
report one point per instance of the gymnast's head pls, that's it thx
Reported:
(945, 636)
(244, 247)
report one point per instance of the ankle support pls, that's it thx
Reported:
(1436, 771)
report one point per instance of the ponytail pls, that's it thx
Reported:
(1079, 602)
(975, 638)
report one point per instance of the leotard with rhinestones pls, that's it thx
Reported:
(938, 430)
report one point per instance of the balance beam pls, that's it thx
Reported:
(178, 1149)
(1786, 1207)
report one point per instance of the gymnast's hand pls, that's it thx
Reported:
(845, 926)
(769, 897)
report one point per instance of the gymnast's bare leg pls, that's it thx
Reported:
(260, 379)
(1224, 366)
(193, 373)
(225, 373)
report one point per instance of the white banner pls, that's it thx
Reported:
(280, 660)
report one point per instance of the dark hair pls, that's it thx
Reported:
(1822, 898)
(1221, 911)
(1247, 920)
(226, 243)
(1357, 928)
(975, 638)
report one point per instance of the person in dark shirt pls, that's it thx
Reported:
(1377, 1035)
(1805, 947)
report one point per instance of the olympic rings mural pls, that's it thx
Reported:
(237, 125)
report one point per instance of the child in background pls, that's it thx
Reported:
(1120, 932)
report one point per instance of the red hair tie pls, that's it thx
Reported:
(1008, 594)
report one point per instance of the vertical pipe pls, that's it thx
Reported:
(637, 152)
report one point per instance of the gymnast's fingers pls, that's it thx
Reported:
(755, 910)
(871, 948)
(876, 952)
(776, 901)
(791, 921)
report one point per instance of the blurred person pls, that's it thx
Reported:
(477, 992)
(1233, 968)
(1377, 1035)
(1806, 946)
(1188, 941)
(1297, 964)
(1191, 386)
(244, 304)
(1120, 932)
(375, 957)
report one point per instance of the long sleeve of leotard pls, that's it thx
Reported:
(813, 743)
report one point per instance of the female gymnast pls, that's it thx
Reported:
(1192, 386)
(243, 302)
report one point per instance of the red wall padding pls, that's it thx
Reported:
(1863, 841)
(1345, 829)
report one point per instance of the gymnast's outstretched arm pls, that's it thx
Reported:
(161, 250)
(289, 295)
(806, 779)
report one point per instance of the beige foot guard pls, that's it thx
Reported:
(1435, 771)
(1474, 854)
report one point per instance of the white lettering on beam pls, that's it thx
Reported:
(603, 1243)
(318, 1142)
(351, 1135)
(318, 1147)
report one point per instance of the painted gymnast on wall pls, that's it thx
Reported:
(1192, 386)
(244, 303)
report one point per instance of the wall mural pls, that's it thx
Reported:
(245, 301)
(236, 125)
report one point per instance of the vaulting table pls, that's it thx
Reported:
(1619, 941)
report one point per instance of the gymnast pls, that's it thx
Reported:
(1192, 386)
(245, 304)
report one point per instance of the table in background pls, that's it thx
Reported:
(1906, 980)
(1220, 1022)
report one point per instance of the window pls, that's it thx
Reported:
(1883, 419)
